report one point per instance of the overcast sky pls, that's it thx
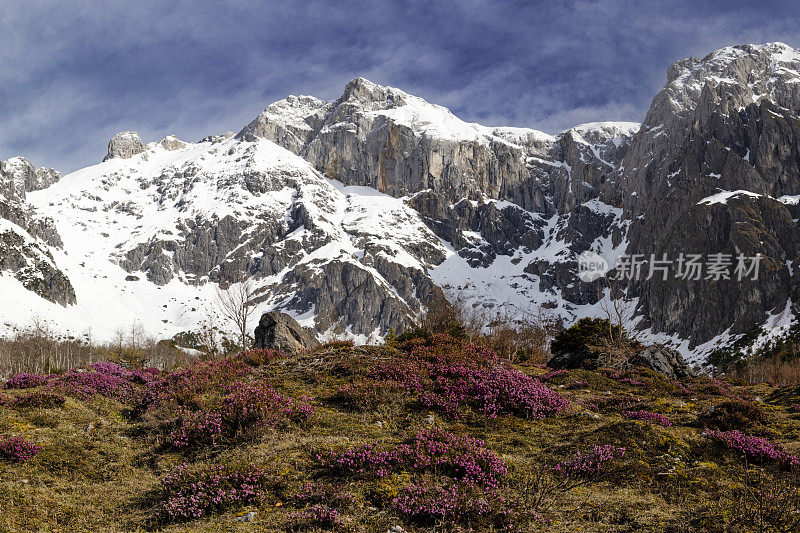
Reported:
(71, 77)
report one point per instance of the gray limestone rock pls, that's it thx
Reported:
(662, 359)
(279, 331)
(124, 145)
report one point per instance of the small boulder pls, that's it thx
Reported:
(279, 331)
(662, 359)
(247, 517)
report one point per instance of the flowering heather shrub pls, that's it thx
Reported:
(364, 459)
(193, 493)
(258, 357)
(493, 392)
(249, 406)
(428, 502)
(459, 457)
(591, 463)
(103, 379)
(315, 517)
(795, 408)
(407, 374)
(182, 386)
(88, 384)
(39, 399)
(450, 374)
(146, 375)
(245, 410)
(17, 449)
(24, 380)
(654, 418)
(444, 349)
(194, 428)
(634, 382)
(753, 447)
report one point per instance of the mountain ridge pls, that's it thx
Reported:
(309, 198)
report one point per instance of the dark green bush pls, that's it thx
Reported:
(586, 332)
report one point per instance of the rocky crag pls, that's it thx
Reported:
(26, 239)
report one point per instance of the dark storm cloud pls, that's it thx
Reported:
(73, 74)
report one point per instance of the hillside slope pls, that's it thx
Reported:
(426, 434)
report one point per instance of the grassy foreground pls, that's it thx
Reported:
(433, 433)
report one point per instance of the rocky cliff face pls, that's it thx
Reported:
(727, 122)
(26, 239)
(352, 214)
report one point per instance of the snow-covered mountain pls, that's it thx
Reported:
(352, 214)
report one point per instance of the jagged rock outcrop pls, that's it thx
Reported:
(662, 359)
(31, 263)
(25, 238)
(727, 122)
(124, 145)
(18, 177)
(279, 331)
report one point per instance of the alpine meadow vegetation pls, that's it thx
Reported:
(431, 431)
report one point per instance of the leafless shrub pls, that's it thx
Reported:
(517, 338)
(522, 339)
(38, 349)
(616, 306)
(452, 315)
(776, 369)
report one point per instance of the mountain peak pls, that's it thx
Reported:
(124, 145)
(756, 66)
(371, 96)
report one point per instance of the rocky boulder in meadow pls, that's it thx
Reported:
(279, 331)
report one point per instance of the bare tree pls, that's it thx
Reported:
(616, 306)
(236, 304)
